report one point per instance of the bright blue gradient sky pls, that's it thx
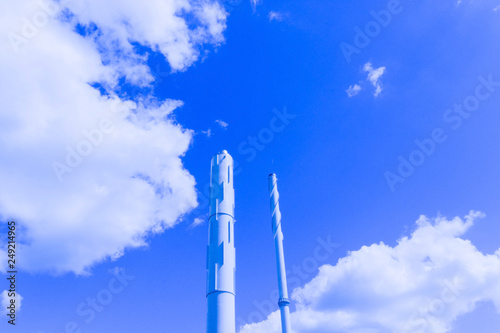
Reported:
(330, 159)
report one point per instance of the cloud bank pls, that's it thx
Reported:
(421, 285)
(87, 174)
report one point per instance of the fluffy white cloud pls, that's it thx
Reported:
(161, 25)
(419, 286)
(353, 90)
(374, 75)
(84, 175)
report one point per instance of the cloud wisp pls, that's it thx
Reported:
(353, 90)
(222, 123)
(373, 77)
(276, 16)
(254, 4)
(5, 301)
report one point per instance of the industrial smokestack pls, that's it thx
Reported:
(283, 302)
(220, 252)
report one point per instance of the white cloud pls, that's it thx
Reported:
(255, 3)
(276, 16)
(196, 222)
(353, 90)
(222, 123)
(374, 76)
(421, 285)
(160, 25)
(496, 9)
(208, 132)
(6, 301)
(130, 181)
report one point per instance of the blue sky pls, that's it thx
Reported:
(269, 82)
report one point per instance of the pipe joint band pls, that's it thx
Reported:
(283, 302)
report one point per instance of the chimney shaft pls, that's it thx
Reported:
(221, 252)
(283, 302)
